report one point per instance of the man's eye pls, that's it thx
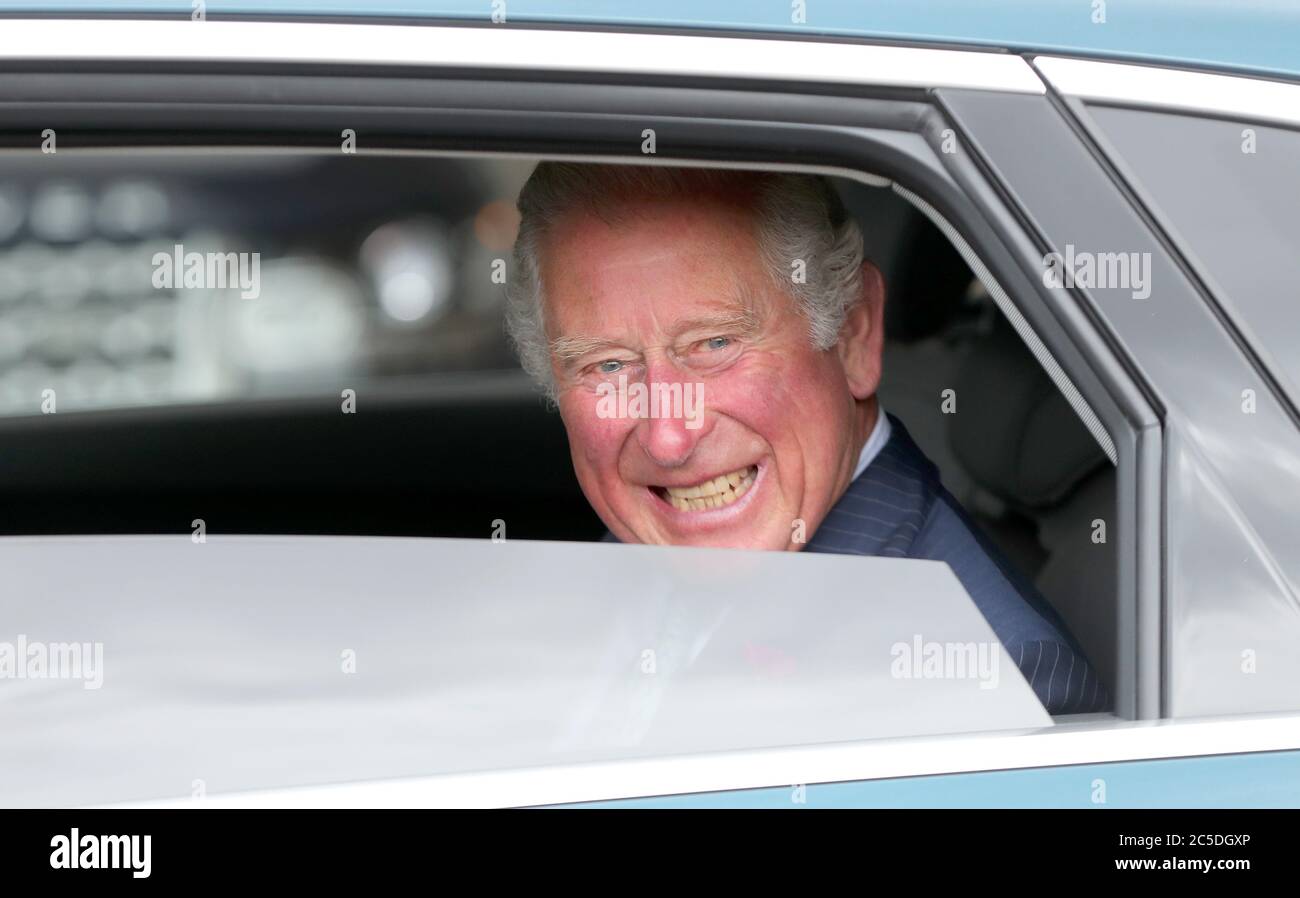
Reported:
(712, 352)
(611, 366)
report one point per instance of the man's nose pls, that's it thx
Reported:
(675, 419)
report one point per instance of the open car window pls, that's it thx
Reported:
(208, 357)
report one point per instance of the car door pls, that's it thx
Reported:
(984, 147)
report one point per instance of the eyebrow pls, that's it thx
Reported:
(743, 319)
(567, 349)
(741, 315)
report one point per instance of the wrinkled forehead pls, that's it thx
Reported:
(662, 276)
(675, 261)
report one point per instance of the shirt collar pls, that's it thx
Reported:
(875, 442)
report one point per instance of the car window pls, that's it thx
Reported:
(1228, 191)
(370, 321)
(273, 359)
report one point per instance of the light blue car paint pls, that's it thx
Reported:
(1261, 780)
(1248, 35)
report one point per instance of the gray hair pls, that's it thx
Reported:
(799, 218)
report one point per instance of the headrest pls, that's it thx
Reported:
(1013, 431)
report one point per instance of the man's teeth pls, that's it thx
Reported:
(713, 493)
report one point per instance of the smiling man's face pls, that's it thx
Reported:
(675, 293)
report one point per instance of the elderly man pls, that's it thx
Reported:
(751, 290)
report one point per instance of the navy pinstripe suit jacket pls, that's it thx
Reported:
(898, 507)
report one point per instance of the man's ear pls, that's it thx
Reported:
(862, 339)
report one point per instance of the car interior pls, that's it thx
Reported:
(377, 288)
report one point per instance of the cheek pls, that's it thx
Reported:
(594, 442)
(750, 392)
(783, 402)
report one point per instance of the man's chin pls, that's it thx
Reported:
(763, 541)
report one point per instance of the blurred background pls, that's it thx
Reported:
(371, 269)
(174, 403)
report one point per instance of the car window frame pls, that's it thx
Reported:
(1220, 494)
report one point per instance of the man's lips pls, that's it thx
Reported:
(715, 492)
